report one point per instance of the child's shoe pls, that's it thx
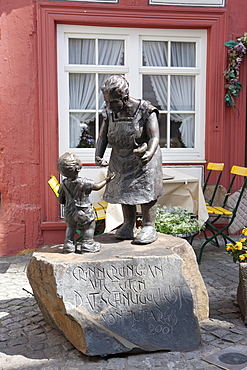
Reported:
(90, 246)
(68, 247)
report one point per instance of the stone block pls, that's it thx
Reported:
(125, 297)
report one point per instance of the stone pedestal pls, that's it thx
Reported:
(124, 297)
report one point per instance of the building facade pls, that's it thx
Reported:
(54, 57)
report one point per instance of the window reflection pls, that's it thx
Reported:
(182, 129)
(155, 90)
(82, 130)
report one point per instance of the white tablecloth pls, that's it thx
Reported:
(179, 190)
(185, 191)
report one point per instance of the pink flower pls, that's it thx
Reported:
(240, 47)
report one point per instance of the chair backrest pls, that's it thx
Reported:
(54, 184)
(236, 171)
(213, 167)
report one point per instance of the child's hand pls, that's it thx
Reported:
(110, 177)
(101, 162)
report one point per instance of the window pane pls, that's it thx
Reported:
(154, 53)
(102, 79)
(182, 131)
(183, 54)
(82, 130)
(82, 91)
(154, 89)
(81, 51)
(163, 130)
(111, 52)
(183, 93)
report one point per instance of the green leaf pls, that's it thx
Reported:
(238, 85)
(229, 100)
(231, 43)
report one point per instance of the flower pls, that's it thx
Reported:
(229, 247)
(238, 251)
(239, 246)
(175, 221)
(237, 51)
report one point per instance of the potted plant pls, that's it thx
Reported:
(238, 251)
(177, 221)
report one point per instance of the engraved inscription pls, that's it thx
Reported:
(130, 294)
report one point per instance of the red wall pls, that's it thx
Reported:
(28, 111)
(226, 128)
(235, 148)
(20, 210)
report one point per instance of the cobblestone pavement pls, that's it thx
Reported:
(27, 342)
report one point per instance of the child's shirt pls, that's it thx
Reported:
(75, 196)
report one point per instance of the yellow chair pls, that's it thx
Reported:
(211, 167)
(225, 211)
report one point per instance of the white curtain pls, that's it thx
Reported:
(81, 51)
(182, 87)
(155, 54)
(82, 91)
(182, 98)
(81, 96)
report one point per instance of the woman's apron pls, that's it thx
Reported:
(134, 183)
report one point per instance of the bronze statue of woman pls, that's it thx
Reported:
(131, 127)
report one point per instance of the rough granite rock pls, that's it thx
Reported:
(125, 297)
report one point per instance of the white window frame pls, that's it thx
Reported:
(133, 71)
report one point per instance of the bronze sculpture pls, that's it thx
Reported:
(74, 194)
(130, 126)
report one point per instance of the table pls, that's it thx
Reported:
(179, 190)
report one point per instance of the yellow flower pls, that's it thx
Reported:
(242, 240)
(242, 257)
(239, 246)
(229, 247)
(244, 231)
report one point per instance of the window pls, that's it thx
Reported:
(166, 67)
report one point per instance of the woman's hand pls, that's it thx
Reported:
(146, 157)
(140, 150)
(110, 177)
(143, 153)
(101, 162)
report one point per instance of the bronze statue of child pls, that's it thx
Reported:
(74, 194)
